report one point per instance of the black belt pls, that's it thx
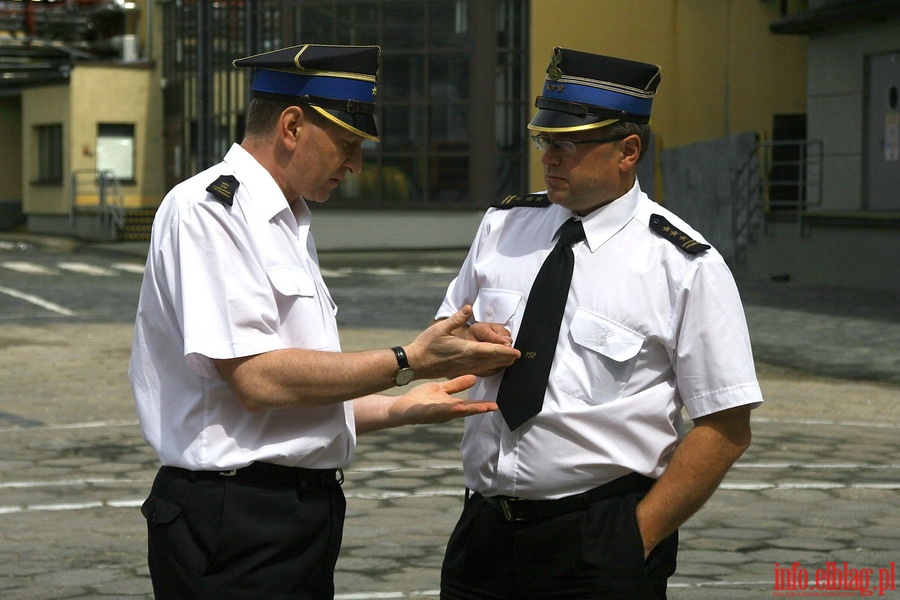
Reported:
(520, 509)
(262, 473)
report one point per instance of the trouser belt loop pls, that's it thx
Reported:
(520, 509)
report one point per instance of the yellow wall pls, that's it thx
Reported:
(105, 92)
(722, 71)
(44, 106)
(119, 94)
(96, 94)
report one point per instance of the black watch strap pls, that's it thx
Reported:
(402, 360)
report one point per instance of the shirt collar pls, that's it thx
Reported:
(268, 200)
(256, 182)
(602, 224)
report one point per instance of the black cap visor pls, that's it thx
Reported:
(362, 124)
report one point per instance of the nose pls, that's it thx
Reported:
(550, 156)
(353, 161)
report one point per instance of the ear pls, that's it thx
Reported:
(631, 152)
(290, 123)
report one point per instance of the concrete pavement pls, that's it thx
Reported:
(820, 486)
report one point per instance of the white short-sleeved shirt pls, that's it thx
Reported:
(226, 282)
(648, 329)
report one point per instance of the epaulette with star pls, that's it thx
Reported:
(224, 188)
(661, 225)
(532, 200)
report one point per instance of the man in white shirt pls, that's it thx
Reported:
(581, 498)
(239, 381)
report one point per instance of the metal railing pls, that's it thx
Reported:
(747, 193)
(110, 202)
(729, 188)
(792, 176)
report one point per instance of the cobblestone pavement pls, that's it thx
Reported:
(820, 485)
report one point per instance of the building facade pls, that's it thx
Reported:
(847, 233)
(457, 86)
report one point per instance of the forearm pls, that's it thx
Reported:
(295, 377)
(696, 469)
(373, 413)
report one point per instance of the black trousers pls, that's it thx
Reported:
(593, 553)
(265, 532)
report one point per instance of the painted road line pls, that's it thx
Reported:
(791, 465)
(63, 426)
(387, 595)
(86, 269)
(881, 425)
(46, 304)
(27, 267)
(386, 272)
(335, 273)
(748, 487)
(456, 466)
(129, 268)
(73, 482)
(808, 485)
(711, 584)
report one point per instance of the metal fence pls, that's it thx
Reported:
(100, 192)
(725, 187)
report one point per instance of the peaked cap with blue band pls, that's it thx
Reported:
(338, 82)
(585, 91)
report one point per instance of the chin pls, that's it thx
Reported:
(319, 198)
(556, 197)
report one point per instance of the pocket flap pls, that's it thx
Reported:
(158, 511)
(496, 306)
(604, 336)
(291, 281)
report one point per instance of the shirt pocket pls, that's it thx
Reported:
(306, 313)
(291, 282)
(599, 360)
(498, 306)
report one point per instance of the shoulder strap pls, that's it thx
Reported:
(661, 225)
(224, 188)
(530, 200)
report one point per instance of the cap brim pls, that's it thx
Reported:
(362, 124)
(553, 121)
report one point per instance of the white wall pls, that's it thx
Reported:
(393, 230)
(836, 105)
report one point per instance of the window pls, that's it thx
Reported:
(452, 110)
(452, 103)
(115, 150)
(50, 154)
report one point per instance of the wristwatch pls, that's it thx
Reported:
(404, 374)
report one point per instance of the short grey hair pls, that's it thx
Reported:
(625, 128)
(263, 113)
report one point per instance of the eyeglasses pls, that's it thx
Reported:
(569, 146)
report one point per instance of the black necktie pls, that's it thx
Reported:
(522, 388)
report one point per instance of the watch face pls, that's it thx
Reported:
(403, 376)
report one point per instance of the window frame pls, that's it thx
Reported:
(130, 128)
(49, 154)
